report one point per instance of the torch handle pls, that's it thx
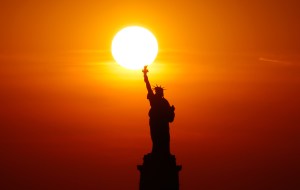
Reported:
(145, 71)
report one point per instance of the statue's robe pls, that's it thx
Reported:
(160, 115)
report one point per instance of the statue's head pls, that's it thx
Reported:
(159, 91)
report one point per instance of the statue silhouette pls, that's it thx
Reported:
(159, 170)
(161, 113)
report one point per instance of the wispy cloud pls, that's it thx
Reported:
(88, 51)
(263, 59)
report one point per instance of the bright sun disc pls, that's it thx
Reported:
(134, 47)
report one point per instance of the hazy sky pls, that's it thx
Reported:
(71, 118)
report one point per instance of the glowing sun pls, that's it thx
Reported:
(134, 47)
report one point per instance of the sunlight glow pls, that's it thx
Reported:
(134, 47)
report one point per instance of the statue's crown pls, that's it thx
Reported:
(158, 88)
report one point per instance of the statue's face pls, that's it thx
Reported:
(159, 93)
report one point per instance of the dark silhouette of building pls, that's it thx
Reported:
(159, 170)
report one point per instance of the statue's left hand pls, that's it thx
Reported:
(173, 108)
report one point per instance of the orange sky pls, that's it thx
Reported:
(71, 118)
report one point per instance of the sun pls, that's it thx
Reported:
(134, 47)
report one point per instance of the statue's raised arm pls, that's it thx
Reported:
(148, 86)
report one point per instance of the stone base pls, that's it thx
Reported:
(159, 172)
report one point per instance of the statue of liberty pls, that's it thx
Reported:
(161, 114)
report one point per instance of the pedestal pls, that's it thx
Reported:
(159, 172)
